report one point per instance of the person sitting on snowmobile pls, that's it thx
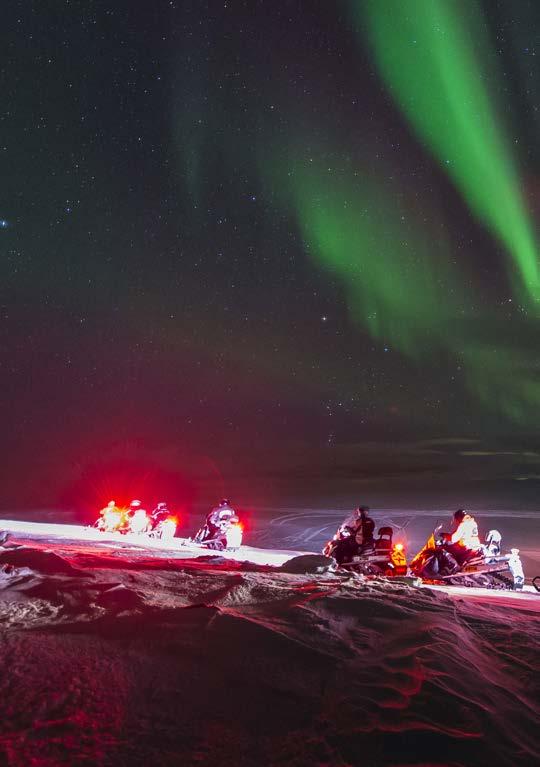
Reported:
(109, 517)
(110, 507)
(134, 507)
(359, 526)
(217, 521)
(136, 518)
(353, 536)
(463, 542)
(364, 529)
(160, 513)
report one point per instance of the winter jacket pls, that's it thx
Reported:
(364, 531)
(221, 515)
(466, 534)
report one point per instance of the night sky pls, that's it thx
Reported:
(267, 248)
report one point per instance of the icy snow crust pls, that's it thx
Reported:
(114, 654)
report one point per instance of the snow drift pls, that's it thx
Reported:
(120, 657)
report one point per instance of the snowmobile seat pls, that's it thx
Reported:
(384, 541)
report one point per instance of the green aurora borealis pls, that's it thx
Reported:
(436, 63)
(403, 282)
(268, 234)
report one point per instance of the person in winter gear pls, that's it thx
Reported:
(111, 506)
(359, 526)
(492, 546)
(463, 542)
(160, 512)
(136, 518)
(109, 517)
(353, 536)
(217, 521)
(365, 527)
(135, 507)
(221, 516)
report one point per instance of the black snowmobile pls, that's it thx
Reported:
(488, 568)
(228, 535)
(381, 557)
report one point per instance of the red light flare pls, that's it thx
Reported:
(124, 480)
(244, 515)
(401, 539)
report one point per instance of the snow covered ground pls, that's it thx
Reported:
(56, 534)
(114, 654)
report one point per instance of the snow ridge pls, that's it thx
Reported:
(167, 662)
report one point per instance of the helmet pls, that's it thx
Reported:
(459, 515)
(224, 502)
(161, 506)
(111, 504)
(135, 504)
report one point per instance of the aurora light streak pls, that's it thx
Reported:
(396, 283)
(435, 59)
(401, 284)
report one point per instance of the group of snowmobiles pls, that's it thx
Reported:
(221, 530)
(457, 558)
(160, 523)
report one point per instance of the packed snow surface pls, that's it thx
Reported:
(118, 654)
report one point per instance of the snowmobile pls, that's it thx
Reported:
(487, 568)
(165, 528)
(138, 522)
(162, 524)
(227, 536)
(382, 557)
(111, 519)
